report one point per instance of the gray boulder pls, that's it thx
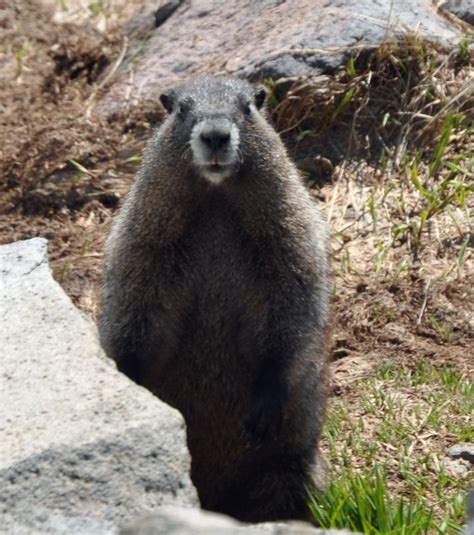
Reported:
(44, 521)
(470, 513)
(269, 38)
(82, 448)
(462, 9)
(177, 521)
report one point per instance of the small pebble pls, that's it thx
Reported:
(462, 451)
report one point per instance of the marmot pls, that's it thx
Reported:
(216, 298)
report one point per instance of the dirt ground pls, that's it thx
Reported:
(65, 169)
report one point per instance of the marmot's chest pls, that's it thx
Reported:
(220, 253)
(224, 292)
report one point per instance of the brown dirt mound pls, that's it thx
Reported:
(49, 74)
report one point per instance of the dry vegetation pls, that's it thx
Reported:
(396, 125)
(393, 135)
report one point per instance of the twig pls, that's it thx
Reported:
(425, 299)
(467, 89)
(336, 190)
(116, 65)
(389, 20)
(108, 77)
(423, 424)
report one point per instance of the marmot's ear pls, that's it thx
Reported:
(261, 94)
(167, 100)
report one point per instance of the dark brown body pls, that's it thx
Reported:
(215, 297)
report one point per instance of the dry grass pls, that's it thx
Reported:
(397, 125)
(385, 102)
(400, 199)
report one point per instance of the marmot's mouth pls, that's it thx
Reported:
(217, 168)
(216, 173)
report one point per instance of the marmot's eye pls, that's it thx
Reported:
(185, 106)
(247, 109)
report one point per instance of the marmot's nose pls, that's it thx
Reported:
(215, 137)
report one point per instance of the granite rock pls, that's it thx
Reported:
(462, 9)
(462, 451)
(257, 40)
(79, 442)
(177, 521)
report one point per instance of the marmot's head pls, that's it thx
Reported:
(209, 116)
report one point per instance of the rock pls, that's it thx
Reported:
(146, 16)
(455, 468)
(462, 9)
(272, 38)
(166, 10)
(462, 451)
(39, 522)
(80, 444)
(178, 521)
(470, 513)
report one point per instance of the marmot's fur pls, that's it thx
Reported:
(216, 295)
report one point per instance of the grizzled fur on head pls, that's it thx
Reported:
(208, 116)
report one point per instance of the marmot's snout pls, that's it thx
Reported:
(215, 148)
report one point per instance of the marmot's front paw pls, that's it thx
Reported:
(264, 420)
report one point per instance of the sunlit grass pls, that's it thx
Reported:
(386, 447)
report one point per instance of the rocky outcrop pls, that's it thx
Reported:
(269, 38)
(81, 446)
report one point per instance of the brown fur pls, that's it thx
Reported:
(216, 299)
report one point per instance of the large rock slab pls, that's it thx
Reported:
(80, 444)
(470, 513)
(268, 38)
(176, 521)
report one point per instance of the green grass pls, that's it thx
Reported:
(434, 185)
(362, 503)
(385, 443)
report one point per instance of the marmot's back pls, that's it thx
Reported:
(215, 297)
